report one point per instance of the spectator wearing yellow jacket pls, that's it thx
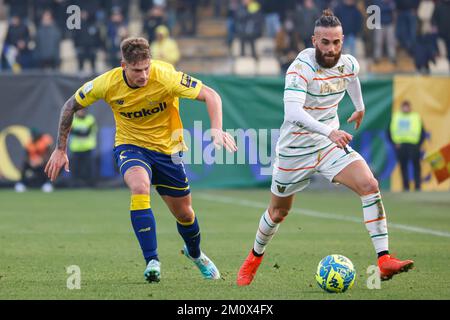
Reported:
(82, 145)
(164, 47)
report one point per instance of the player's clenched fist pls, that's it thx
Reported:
(57, 160)
(340, 138)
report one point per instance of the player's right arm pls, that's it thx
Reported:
(59, 158)
(85, 96)
(296, 87)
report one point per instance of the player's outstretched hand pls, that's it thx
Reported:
(357, 117)
(57, 160)
(340, 138)
(222, 138)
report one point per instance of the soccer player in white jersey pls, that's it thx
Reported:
(310, 142)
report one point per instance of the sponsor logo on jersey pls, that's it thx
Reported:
(120, 102)
(281, 189)
(341, 69)
(330, 87)
(145, 112)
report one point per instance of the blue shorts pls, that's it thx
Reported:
(166, 172)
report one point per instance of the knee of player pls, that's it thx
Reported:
(140, 187)
(185, 215)
(278, 214)
(369, 186)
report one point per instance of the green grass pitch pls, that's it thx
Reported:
(42, 234)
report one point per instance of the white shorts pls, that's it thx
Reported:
(293, 174)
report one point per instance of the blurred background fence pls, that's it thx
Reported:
(44, 60)
(250, 104)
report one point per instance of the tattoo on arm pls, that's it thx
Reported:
(65, 121)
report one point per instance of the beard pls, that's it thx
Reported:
(324, 60)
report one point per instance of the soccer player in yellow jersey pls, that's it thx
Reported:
(143, 95)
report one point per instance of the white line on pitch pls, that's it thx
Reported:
(317, 214)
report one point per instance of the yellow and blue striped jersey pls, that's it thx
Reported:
(146, 116)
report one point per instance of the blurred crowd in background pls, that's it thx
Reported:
(36, 28)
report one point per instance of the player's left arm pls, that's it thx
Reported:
(214, 106)
(355, 93)
(184, 86)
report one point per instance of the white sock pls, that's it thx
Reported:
(375, 221)
(266, 230)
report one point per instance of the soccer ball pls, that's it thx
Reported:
(335, 273)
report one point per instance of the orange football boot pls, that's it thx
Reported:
(248, 269)
(390, 266)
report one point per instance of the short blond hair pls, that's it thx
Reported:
(135, 50)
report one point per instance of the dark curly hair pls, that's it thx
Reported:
(328, 20)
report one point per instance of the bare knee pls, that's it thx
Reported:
(279, 207)
(141, 187)
(278, 214)
(184, 214)
(137, 180)
(369, 186)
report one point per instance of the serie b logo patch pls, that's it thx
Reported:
(88, 87)
(188, 81)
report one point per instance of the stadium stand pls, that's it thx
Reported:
(216, 48)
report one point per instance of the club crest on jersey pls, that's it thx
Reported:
(341, 69)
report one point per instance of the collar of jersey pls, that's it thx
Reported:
(125, 79)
